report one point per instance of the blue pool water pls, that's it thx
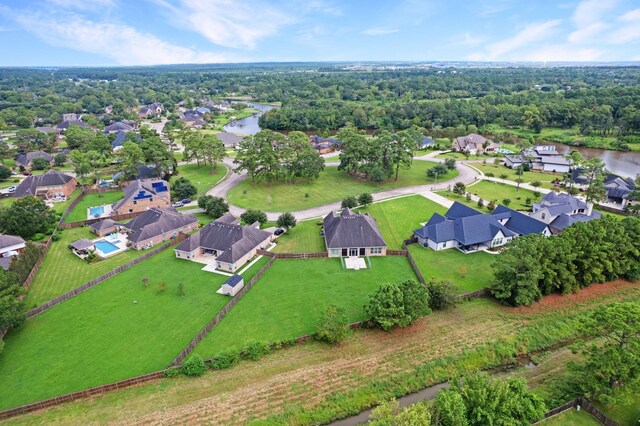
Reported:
(96, 211)
(105, 246)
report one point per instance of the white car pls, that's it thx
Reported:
(177, 204)
(11, 189)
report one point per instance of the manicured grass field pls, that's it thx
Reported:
(79, 212)
(571, 418)
(304, 238)
(333, 185)
(290, 298)
(201, 177)
(469, 272)
(528, 177)
(488, 191)
(626, 412)
(332, 158)
(62, 270)
(397, 218)
(116, 330)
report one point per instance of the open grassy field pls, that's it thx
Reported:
(332, 185)
(62, 270)
(572, 417)
(469, 272)
(201, 177)
(489, 191)
(330, 382)
(290, 298)
(305, 237)
(397, 218)
(79, 212)
(528, 177)
(116, 330)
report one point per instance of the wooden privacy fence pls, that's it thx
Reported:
(88, 191)
(87, 393)
(68, 295)
(310, 255)
(36, 266)
(413, 264)
(397, 252)
(585, 405)
(186, 351)
(70, 207)
(117, 217)
(483, 292)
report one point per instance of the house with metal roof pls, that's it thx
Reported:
(157, 225)
(50, 185)
(224, 244)
(348, 234)
(141, 195)
(560, 210)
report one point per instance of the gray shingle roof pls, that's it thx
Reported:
(82, 244)
(465, 230)
(68, 123)
(517, 222)
(229, 139)
(564, 220)
(10, 240)
(26, 158)
(103, 224)
(143, 189)
(30, 185)
(561, 198)
(458, 210)
(155, 222)
(351, 230)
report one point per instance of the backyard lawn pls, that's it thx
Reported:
(571, 417)
(116, 330)
(469, 272)
(489, 191)
(305, 237)
(79, 212)
(201, 177)
(333, 185)
(62, 270)
(528, 177)
(290, 298)
(397, 218)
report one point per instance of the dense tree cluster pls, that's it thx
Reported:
(11, 307)
(26, 217)
(398, 304)
(585, 253)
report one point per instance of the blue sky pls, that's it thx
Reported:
(146, 32)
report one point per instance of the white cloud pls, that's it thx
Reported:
(631, 16)
(562, 53)
(323, 6)
(123, 44)
(629, 31)
(587, 33)
(82, 4)
(468, 40)
(229, 23)
(588, 19)
(379, 31)
(503, 49)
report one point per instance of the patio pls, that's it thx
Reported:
(111, 244)
(98, 212)
(356, 263)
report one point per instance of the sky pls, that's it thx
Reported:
(149, 32)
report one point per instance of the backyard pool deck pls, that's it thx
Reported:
(98, 212)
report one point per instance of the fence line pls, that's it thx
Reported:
(116, 217)
(585, 405)
(88, 191)
(89, 284)
(186, 351)
(483, 292)
(413, 264)
(310, 255)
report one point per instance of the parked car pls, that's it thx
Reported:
(278, 231)
(11, 188)
(185, 200)
(177, 204)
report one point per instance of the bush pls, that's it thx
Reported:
(536, 183)
(491, 206)
(194, 366)
(503, 176)
(286, 221)
(254, 351)
(5, 172)
(459, 188)
(489, 174)
(251, 216)
(442, 294)
(55, 237)
(349, 202)
(468, 196)
(398, 304)
(480, 202)
(183, 188)
(38, 237)
(365, 199)
(172, 372)
(225, 359)
(506, 202)
(334, 325)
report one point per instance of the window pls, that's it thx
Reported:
(335, 252)
(543, 216)
(344, 252)
(496, 242)
(135, 202)
(362, 251)
(376, 250)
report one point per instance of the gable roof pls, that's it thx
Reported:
(10, 240)
(458, 210)
(68, 123)
(562, 198)
(140, 189)
(350, 229)
(472, 141)
(466, 230)
(229, 139)
(518, 222)
(233, 280)
(25, 158)
(234, 241)
(82, 244)
(126, 126)
(121, 137)
(103, 224)
(565, 220)
(30, 185)
(157, 221)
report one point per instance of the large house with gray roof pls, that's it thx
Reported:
(224, 243)
(349, 234)
(560, 210)
(157, 225)
(541, 157)
(26, 158)
(50, 185)
(141, 195)
(473, 144)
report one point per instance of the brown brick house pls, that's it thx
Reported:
(141, 195)
(51, 184)
(157, 225)
(27, 158)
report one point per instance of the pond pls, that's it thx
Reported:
(622, 163)
(248, 125)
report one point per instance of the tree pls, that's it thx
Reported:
(450, 163)
(459, 188)
(11, 307)
(157, 153)
(213, 151)
(39, 164)
(449, 409)
(349, 202)
(26, 217)
(286, 220)
(365, 199)
(213, 206)
(388, 413)
(442, 294)
(334, 325)
(80, 162)
(22, 264)
(491, 206)
(593, 170)
(183, 188)
(437, 170)
(613, 359)
(251, 216)
(506, 202)
(5, 172)
(398, 304)
(59, 160)
(78, 137)
(132, 157)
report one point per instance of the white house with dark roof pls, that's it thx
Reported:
(224, 244)
(540, 157)
(560, 210)
(348, 234)
(231, 286)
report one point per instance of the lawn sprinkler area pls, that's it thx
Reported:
(97, 212)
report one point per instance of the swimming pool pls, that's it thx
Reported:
(106, 247)
(96, 211)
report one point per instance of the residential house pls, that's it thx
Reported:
(72, 117)
(232, 285)
(224, 242)
(141, 195)
(65, 124)
(541, 157)
(619, 190)
(560, 210)
(151, 110)
(229, 139)
(157, 225)
(464, 228)
(121, 138)
(104, 227)
(50, 185)
(48, 130)
(145, 171)
(26, 158)
(10, 246)
(121, 126)
(323, 145)
(473, 144)
(352, 234)
(193, 118)
(426, 142)
(519, 222)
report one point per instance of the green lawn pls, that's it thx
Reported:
(305, 237)
(333, 185)
(332, 158)
(488, 191)
(201, 177)
(449, 264)
(528, 177)
(397, 218)
(571, 418)
(626, 412)
(290, 298)
(62, 270)
(79, 212)
(61, 207)
(116, 330)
